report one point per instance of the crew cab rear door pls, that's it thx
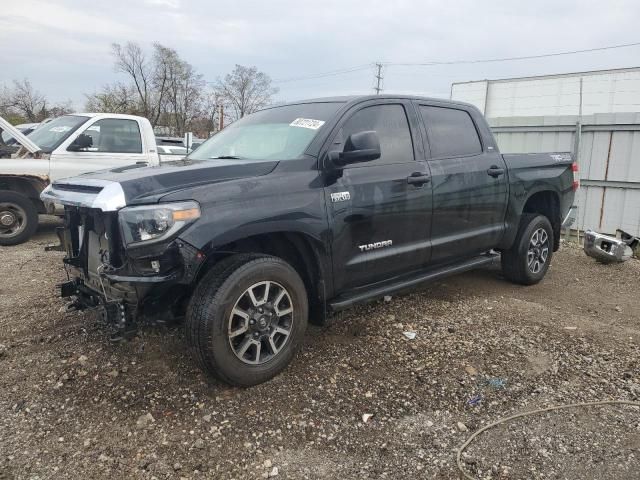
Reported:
(116, 142)
(379, 211)
(469, 181)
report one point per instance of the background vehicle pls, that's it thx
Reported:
(303, 209)
(25, 129)
(66, 146)
(172, 150)
(168, 142)
(8, 144)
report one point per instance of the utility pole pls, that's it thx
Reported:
(378, 77)
(220, 117)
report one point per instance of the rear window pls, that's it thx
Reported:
(451, 132)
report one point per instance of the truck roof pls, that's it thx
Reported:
(361, 98)
(110, 115)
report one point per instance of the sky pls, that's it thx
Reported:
(63, 46)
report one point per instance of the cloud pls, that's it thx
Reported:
(64, 46)
(164, 3)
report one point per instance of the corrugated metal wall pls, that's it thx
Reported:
(609, 161)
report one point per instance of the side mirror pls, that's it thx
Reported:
(80, 143)
(359, 147)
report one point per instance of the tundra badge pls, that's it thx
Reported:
(373, 246)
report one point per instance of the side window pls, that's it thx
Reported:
(451, 132)
(390, 123)
(94, 132)
(115, 135)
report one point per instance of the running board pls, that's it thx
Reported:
(347, 301)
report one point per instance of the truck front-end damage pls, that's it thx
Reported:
(128, 262)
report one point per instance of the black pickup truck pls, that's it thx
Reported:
(301, 210)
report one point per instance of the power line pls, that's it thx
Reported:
(357, 68)
(509, 59)
(325, 74)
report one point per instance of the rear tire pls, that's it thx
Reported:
(240, 326)
(18, 218)
(528, 259)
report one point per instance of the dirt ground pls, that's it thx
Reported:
(74, 405)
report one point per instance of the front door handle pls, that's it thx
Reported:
(495, 171)
(418, 178)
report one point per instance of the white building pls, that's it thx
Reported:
(603, 91)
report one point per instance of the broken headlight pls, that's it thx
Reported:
(154, 223)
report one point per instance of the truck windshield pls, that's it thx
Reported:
(52, 134)
(280, 133)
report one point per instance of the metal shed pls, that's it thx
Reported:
(592, 113)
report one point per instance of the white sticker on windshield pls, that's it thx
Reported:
(307, 123)
(60, 129)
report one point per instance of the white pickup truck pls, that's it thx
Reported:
(64, 147)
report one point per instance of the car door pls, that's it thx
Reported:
(380, 210)
(469, 183)
(116, 142)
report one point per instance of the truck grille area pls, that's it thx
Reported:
(69, 187)
(91, 241)
(149, 283)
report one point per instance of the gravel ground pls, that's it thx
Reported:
(73, 405)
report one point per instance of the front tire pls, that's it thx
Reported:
(246, 319)
(18, 218)
(528, 260)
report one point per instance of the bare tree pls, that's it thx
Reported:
(210, 112)
(28, 102)
(183, 97)
(115, 98)
(168, 90)
(60, 109)
(246, 90)
(149, 77)
(162, 87)
(23, 103)
(5, 101)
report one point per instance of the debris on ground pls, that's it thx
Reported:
(366, 417)
(475, 400)
(496, 383)
(608, 248)
(308, 421)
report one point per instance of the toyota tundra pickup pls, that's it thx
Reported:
(301, 210)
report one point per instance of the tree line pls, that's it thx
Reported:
(21, 103)
(157, 84)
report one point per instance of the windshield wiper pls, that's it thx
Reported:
(225, 157)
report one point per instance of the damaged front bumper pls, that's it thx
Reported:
(125, 296)
(609, 249)
(127, 282)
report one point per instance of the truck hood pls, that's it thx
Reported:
(112, 189)
(18, 135)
